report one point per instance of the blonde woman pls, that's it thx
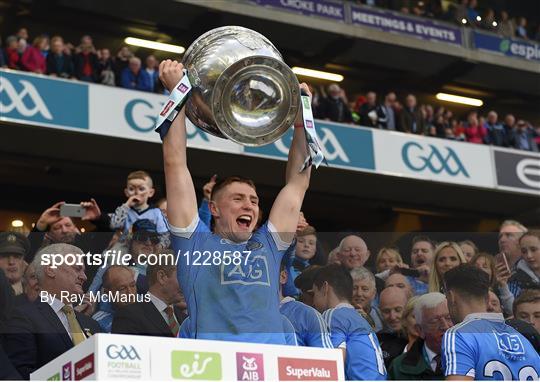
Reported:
(387, 258)
(408, 323)
(448, 255)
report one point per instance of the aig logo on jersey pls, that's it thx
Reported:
(510, 344)
(253, 271)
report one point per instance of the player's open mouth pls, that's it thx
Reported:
(244, 221)
(420, 261)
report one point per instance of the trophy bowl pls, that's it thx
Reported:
(241, 88)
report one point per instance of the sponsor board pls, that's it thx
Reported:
(492, 43)
(301, 369)
(67, 372)
(84, 367)
(196, 365)
(249, 367)
(519, 171)
(332, 10)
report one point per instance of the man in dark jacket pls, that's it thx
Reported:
(59, 64)
(411, 118)
(333, 107)
(423, 360)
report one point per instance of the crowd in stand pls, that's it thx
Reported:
(84, 62)
(402, 302)
(466, 13)
(332, 104)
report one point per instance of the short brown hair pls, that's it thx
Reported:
(152, 271)
(221, 184)
(491, 261)
(526, 296)
(140, 174)
(530, 233)
(309, 230)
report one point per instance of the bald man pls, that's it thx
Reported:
(392, 340)
(399, 281)
(352, 252)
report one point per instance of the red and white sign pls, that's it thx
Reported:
(301, 369)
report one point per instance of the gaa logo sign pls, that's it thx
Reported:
(27, 102)
(122, 353)
(419, 158)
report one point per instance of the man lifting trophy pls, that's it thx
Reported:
(233, 83)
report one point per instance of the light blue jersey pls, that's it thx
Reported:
(349, 330)
(309, 326)
(485, 348)
(237, 299)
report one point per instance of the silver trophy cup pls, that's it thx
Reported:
(241, 88)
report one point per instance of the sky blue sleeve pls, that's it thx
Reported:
(338, 334)
(318, 335)
(364, 359)
(204, 212)
(458, 358)
(288, 330)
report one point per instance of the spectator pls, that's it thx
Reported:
(494, 304)
(497, 134)
(527, 307)
(509, 128)
(14, 247)
(85, 61)
(135, 78)
(521, 28)
(460, 11)
(488, 20)
(408, 322)
(106, 68)
(332, 295)
(448, 255)
(506, 26)
(152, 69)
(386, 115)
(474, 345)
(7, 370)
(421, 259)
(468, 248)
(474, 131)
(158, 317)
(397, 280)
(22, 33)
(32, 59)
(309, 326)
(299, 259)
(30, 284)
(392, 303)
(423, 360)
(527, 274)
(411, 119)
(524, 137)
(472, 14)
(121, 62)
(364, 293)
(509, 234)
(353, 252)
(38, 333)
(3, 59)
(304, 282)
(368, 111)
(118, 281)
(334, 107)
(12, 53)
(59, 64)
(387, 258)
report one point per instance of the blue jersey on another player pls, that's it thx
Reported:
(309, 326)
(228, 301)
(485, 348)
(349, 330)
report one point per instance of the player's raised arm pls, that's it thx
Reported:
(286, 209)
(181, 197)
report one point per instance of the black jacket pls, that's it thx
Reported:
(335, 110)
(412, 366)
(392, 345)
(143, 318)
(65, 71)
(407, 120)
(35, 336)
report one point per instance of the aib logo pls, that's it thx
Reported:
(66, 372)
(419, 158)
(509, 344)
(249, 367)
(122, 352)
(27, 102)
(196, 365)
(252, 272)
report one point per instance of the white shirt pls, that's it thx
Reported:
(431, 355)
(161, 306)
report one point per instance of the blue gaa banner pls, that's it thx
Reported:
(392, 22)
(43, 101)
(322, 8)
(343, 146)
(508, 47)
